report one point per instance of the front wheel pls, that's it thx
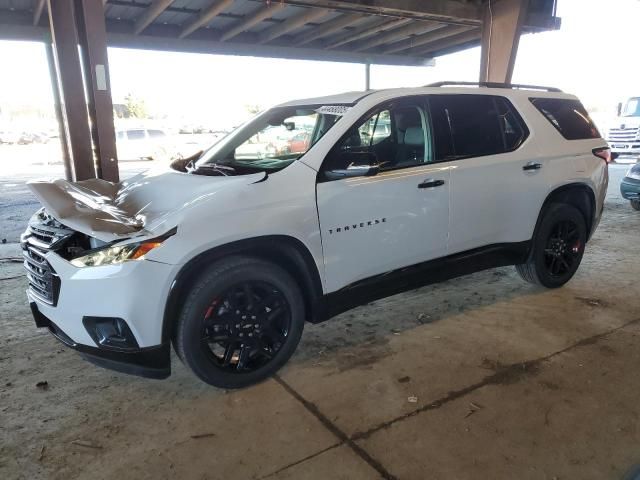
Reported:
(241, 321)
(635, 204)
(557, 247)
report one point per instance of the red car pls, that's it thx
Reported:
(299, 143)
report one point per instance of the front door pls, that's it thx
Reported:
(371, 225)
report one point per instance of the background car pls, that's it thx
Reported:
(143, 144)
(630, 186)
(299, 143)
(7, 136)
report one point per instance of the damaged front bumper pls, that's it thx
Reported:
(151, 362)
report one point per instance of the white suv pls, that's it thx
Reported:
(226, 256)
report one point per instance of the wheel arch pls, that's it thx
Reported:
(580, 195)
(285, 251)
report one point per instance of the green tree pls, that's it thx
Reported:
(253, 109)
(136, 106)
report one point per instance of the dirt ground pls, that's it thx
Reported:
(481, 377)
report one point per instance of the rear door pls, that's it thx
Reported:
(375, 224)
(496, 189)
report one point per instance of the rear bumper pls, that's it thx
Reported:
(630, 188)
(149, 362)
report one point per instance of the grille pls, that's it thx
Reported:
(42, 236)
(623, 135)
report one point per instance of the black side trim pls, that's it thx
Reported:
(150, 362)
(415, 276)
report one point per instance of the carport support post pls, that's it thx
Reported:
(64, 33)
(57, 104)
(501, 29)
(367, 76)
(93, 42)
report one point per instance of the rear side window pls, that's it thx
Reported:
(474, 125)
(568, 116)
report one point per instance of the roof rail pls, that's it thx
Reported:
(496, 85)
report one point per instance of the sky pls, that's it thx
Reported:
(593, 55)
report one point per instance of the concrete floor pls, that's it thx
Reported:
(480, 377)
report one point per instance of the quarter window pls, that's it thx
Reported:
(568, 116)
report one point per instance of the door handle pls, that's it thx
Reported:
(430, 183)
(532, 166)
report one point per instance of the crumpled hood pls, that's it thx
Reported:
(139, 206)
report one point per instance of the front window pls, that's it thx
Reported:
(632, 108)
(272, 140)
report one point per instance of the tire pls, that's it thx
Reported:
(635, 204)
(557, 247)
(241, 321)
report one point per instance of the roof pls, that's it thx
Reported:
(350, 98)
(396, 32)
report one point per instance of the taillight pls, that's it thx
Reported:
(604, 153)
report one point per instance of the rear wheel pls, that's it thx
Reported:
(635, 204)
(557, 247)
(241, 322)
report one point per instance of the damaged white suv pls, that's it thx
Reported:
(312, 208)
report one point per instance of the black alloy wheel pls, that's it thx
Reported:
(240, 321)
(556, 248)
(564, 248)
(246, 326)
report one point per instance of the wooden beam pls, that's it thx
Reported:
(446, 11)
(427, 38)
(292, 23)
(152, 12)
(93, 42)
(37, 12)
(364, 32)
(327, 28)
(448, 42)
(253, 19)
(215, 47)
(65, 36)
(501, 31)
(397, 33)
(205, 17)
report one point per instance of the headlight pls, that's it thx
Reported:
(116, 254)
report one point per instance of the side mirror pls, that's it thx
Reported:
(619, 109)
(360, 164)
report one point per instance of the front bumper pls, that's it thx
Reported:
(630, 188)
(150, 362)
(625, 148)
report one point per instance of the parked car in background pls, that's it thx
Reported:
(630, 187)
(27, 138)
(299, 143)
(271, 142)
(8, 136)
(143, 144)
(226, 255)
(624, 135)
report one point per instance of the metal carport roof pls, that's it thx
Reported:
(400, 32)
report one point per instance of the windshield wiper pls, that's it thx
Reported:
(225, 170)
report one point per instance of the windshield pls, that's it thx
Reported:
(632, 108)
(273, 139)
